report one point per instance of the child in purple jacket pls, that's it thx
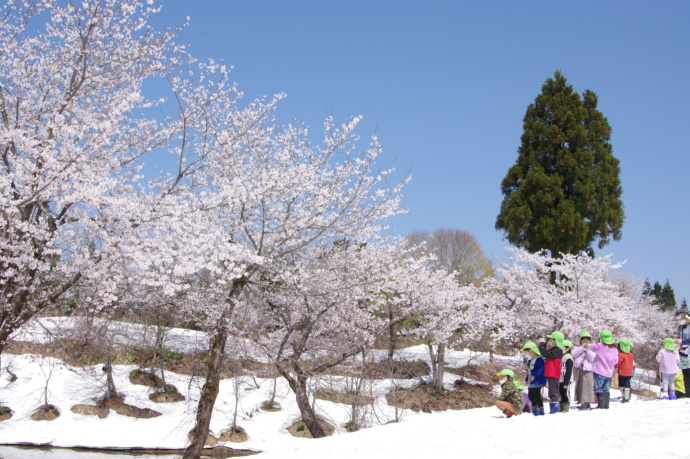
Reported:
(604, 362)
(668, 359)
(584, 379)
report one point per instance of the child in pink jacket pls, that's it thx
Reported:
(668, 359)
(604, 362)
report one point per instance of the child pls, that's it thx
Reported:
(606, 358)
(584, 384)
(566, 376)
(625, 366)
(535, 379)
(552, 351)
(668, 359)
(509, 402)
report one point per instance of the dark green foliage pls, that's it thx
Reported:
(684, 305)
(664, 297)
(564, 192)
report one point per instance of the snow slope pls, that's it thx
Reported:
(640, 429)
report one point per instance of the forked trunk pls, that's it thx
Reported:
(299, 387)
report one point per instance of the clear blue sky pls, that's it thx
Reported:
(445, 85)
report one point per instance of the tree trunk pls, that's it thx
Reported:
(209, 393)
(112, 389)
(441, 365)
(299, 387)
(432, 360)
(391, 337)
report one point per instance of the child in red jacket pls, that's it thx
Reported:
(625, 366)
(552, 351)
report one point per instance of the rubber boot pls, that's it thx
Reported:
(672, 395)
(565, 407)
(554, 408)
(606, 396)
(662, 395)
(585, 406)
(534, 412)
(540, 411)
(626, 393)
(600, 400)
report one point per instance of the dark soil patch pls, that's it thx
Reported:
(646, 393)
(271, 408)
(167, 396)
(347, 398)
(145, 378)
(427, 399)
(299, 429)
(46, 413)
(5, 413)
(484, 373)
(210, 439)
(118, 405)
(235, 435)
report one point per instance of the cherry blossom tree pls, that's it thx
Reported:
(316, 311)
(587, 294)
(71, 141)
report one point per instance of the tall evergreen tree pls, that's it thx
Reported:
(564, 192)
(668, 301)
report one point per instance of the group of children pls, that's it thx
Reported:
(550, 364)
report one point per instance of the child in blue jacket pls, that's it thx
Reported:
(535, 379)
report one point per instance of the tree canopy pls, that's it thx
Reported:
(564, 192)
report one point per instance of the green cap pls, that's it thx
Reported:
(520, 386)
(606, 337)
(559, 337)
(532, 347)
(625, 345)
(669, 344)
(506, 372)
(585, 334)
(568, 344)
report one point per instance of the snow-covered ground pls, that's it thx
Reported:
(640, 429)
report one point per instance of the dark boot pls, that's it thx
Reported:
(565, 407)
(626, 393)
(585, 406)
(605, 398)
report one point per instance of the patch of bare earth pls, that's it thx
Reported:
(118, 405)
(485, 373)
(646, 393)
(46, 413)
(145, 378)
(210, 439)
(346, 398)
(5, 413)
(271, 408)
(166, 397)
(91, 410)
(299, 429)
(427, 399)
(234, 435)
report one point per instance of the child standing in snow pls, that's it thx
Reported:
(535, 379)
(668, 359)
(625, 366)
(552, 351)
(584, 384)
(606, 358)
(566, 376)
(509, 402)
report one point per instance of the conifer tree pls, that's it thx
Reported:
(564, 192)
